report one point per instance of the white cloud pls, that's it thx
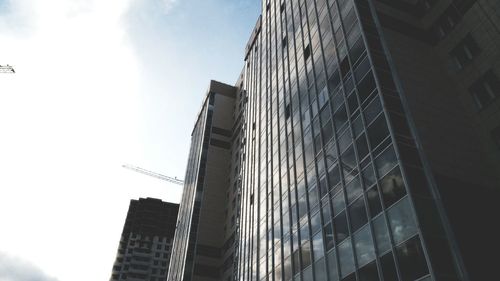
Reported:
(15, 269)
(168, 5)
(69, 118)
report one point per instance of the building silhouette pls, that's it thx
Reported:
(364, 145)
(145, 244)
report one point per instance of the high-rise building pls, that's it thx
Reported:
(146, 241)
(369, 149)
(203, 245)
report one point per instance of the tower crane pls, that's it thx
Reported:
(153, 174)
(6, 69)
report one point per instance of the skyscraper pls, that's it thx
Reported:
(370, 142)
(203, 245)
(145, 244)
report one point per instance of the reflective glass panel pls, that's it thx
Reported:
(332, 266)
(363, 243)
(320, 271)
(318, 250)
(340, 227)
(357, 214)
(381, 235)
(346, 258)
(402, 221)
(411, 259)
(369, 272)
(392, 187)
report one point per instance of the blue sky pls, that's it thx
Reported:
(99, 84)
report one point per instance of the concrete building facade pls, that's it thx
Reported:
(204, 239)
(146, 241)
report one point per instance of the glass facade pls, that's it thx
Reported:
(184, 245)
(334, 187)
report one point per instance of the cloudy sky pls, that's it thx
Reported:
(99, 83)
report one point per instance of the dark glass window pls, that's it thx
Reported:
(346, 258)
(369, 176)
(374, 201)
(307, 275)
(372, 110)
(344, 141)
(332, 266)
(388, 267)
(366, 87)
(296, 261)
(357, 49)
(402, 221)
(334, 80)
(320, 271)
(381, 235)
(363, 243)
(411, 259)
(334, 176)
(357, 126)
(465, 51)
(368, 272)
(318, 250)
(485, 89)
(362, 146)
(357, 213)
(315, 223)
(302, 207)
(353, 189)
(340, 118)
(349, 160)
(306, 254)
(340, 227)
(327, 132)
(328, 236)
(392, 187)
(386, 161)
(338, 203)
(313, 197)
(378, 131)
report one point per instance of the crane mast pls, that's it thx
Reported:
(153, 174)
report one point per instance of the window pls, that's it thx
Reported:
(357, 214)
(328, 236)
(340, 227)
(320, 271)
(346, 258)
(365, 252)
(485, 89)
(306, 254)
(332, 266)
(373, 201)
(368, 272)
(392, 187)
(401, 220)
(388, 267)
(318, 250)
(381, 235)
(464, 52)
(412, 263)
(378, 131)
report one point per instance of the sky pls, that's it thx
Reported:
(100, 83)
